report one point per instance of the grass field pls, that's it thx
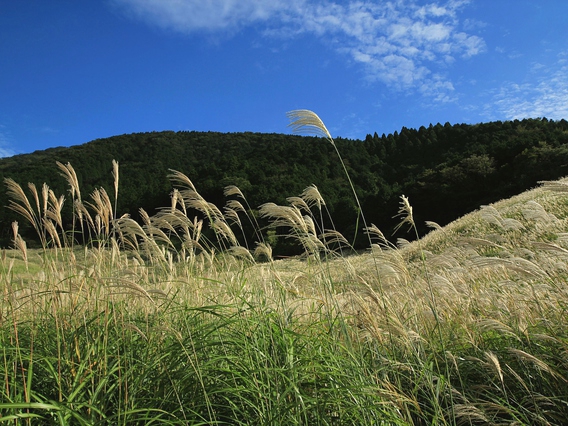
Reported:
(178, 321)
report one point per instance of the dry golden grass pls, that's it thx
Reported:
(499, 272)
(478, 266)
(466, 325)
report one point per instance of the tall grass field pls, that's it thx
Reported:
(185, 318)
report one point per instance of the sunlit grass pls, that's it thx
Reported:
(174, 321)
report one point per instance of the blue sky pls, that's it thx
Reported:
(73, 71)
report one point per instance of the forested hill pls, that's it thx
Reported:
(445, 170)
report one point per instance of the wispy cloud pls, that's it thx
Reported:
(402, 44)
(5, 145)
(189, 16)
(545, 96)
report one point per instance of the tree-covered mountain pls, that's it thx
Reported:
(445, 170)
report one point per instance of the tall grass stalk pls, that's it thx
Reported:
(303, 120)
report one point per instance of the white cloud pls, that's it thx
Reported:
(398, 42)
(5, 146)
(439, 89)
(473, 24)
(546, 96)
(187, 16)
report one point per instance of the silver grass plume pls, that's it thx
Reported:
(404, 212)
(103, 207)
(45, 194)
(241, 252)
(434, 226)
(222, 229)
(15, 191)
(232, 215)
(115, 176)
(263, 250)
(299, 203)
(69, 174)
(235, 205)
(182, 179)
(20, 204)
(289, 216)
(312, 196)
(304, 120)
(19, 243)
(374, 232)
(232, 190)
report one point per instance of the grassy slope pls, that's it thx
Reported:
(466, 326)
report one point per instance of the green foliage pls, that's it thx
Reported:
(212, 365)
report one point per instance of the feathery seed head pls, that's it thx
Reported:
(284, 216)
(115, 176)
(15, 191)
(310, 225)
(493, 362)
(174, 199)
(232, 190)
(299, 203)
(263, 250)
(236, 206)
(33, 190)
(52, 231)
(45, 196)
(19, 243)
(404, 212)
(434, 225)
(233, 216)
(182, 179)
(15, 228)
(68, 172)
(331, 236)
(312, 196)
(303, 120)
(224, 230)
(241, 253)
